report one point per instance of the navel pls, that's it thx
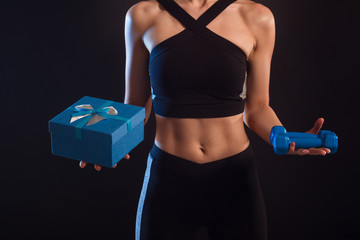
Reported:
(202, 149)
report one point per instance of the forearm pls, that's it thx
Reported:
(147, 106)
(147, 115)
(261, 119)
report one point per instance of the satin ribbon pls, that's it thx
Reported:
(85, 114)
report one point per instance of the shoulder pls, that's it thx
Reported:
(142, 13)
(259, 20)
(256, 15)
(147, 7)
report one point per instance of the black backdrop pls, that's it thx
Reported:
(55, 52)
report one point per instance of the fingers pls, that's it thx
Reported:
(292, 148)
(82, 164)
(317, 126)
(299, 151)
(310, 151)
(97, 167)
(127, 156)
(302, 151)
(319, 151)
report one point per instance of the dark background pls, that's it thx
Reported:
(55, 52)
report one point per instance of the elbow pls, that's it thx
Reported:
(148, 108)
(147, 113)
(145, 104)
(252, 110)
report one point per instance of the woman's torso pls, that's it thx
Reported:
(200, 140)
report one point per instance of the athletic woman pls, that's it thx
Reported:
(204, 65)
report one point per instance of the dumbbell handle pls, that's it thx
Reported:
(308, 142)
(302, 135)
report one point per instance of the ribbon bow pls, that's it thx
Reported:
(92, 116)
(86, 114)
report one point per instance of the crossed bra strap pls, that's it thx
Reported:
(198, 26)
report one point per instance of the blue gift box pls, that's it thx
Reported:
(97, 131)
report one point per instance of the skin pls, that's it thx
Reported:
(250, 26)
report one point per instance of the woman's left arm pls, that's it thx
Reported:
(258, 114)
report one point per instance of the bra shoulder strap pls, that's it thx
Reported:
(182, 16)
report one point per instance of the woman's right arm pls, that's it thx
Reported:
(137, 80)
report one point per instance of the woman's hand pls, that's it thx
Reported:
(82, 164)
(311, 151)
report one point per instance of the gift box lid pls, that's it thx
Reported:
(106, 131)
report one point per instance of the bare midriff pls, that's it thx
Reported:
(201, 140)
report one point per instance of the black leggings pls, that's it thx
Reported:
(179, 197)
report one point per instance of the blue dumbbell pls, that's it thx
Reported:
(281, 140)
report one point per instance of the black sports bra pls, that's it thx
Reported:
(197, 73)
